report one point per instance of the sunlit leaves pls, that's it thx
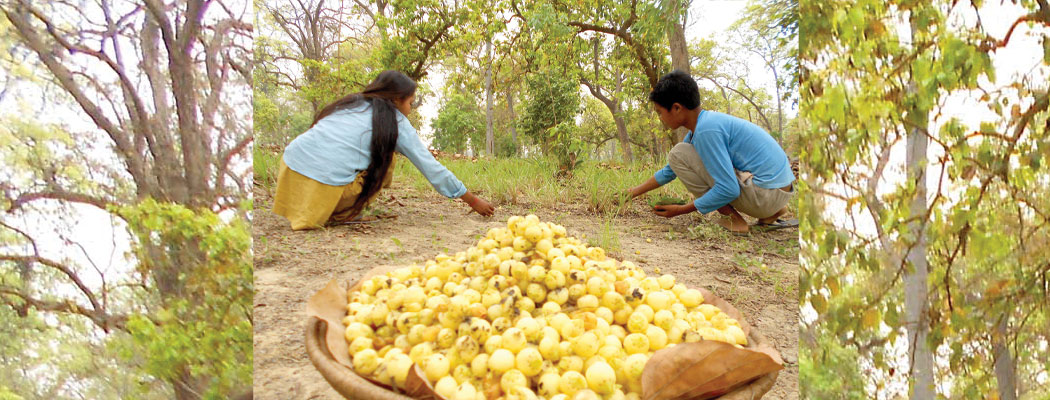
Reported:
(207, 331)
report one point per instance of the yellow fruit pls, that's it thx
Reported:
(691, 298)
(571, 329)
(398, 368)
(466, 391)
(559, 295)
(365, 361)
(421, 352)
(521, 244)
(544, 246)
(659, 300)
(637, 322)
(356, 330)
(359, 344)
(533, 233)
(501, 360)
(554, 279)
(548, 384)
(601, 378)
(436, 366)
(666, 281)
(736, 335)
(446, 387)
(709, 311)
(646, 310)
(613, 301)
(514, 340)
(636, 343)
(479, 366)
(550, 348)
(529, 361)
(512, 379)
(550, 308)
(585, 345)
(587, 302)
(634, 365)
(466, 347)
(572, 382)
(597, 286)
(494, 342)
(657, 338)
(571, 363)
(663, 319)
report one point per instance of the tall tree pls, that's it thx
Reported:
(914, 199)
(165, 84)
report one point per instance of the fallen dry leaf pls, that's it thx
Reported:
(704, 370)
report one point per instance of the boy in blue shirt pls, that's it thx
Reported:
(729, 164)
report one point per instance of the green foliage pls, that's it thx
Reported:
(205, 331)
(829, 371)
(7, 394)
(878, 82)
(459, 120)
(551, 104)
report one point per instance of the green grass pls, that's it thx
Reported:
(532, 182)
(265, 163)
(529, 182)
(608, 237)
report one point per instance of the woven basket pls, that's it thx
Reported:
(321, 342)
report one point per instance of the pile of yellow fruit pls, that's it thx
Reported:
(526, 313)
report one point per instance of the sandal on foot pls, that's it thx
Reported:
(778, 224)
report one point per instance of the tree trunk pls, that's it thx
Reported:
(916, 302)
(490, 140)
(513, 122)
(621, 131)
(1005, 366)
(679, 47)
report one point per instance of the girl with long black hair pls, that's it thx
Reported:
(333, 170)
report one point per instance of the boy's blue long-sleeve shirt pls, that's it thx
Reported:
(726, 143)
(339, 146)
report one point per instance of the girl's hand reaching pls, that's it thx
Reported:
(478, 204)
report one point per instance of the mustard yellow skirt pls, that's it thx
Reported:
(309, 204)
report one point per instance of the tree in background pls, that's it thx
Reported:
(488, 49)
(938, 279)
(157, 139)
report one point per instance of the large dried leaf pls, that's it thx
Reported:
(704, 370)
(329, 304)
(727, 308)
(418, 387)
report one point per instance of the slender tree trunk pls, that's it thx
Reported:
(679, 47)
(490, 140)
(513, 122)
(916, 302)
(1005, 366)
(621, 131)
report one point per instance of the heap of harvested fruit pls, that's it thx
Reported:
(526, 313)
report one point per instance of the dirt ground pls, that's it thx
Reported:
(291, 266)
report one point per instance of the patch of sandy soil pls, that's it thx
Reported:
(292, 266)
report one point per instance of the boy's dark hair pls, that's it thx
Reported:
(676, 87)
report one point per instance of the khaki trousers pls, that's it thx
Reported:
(754, 201)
